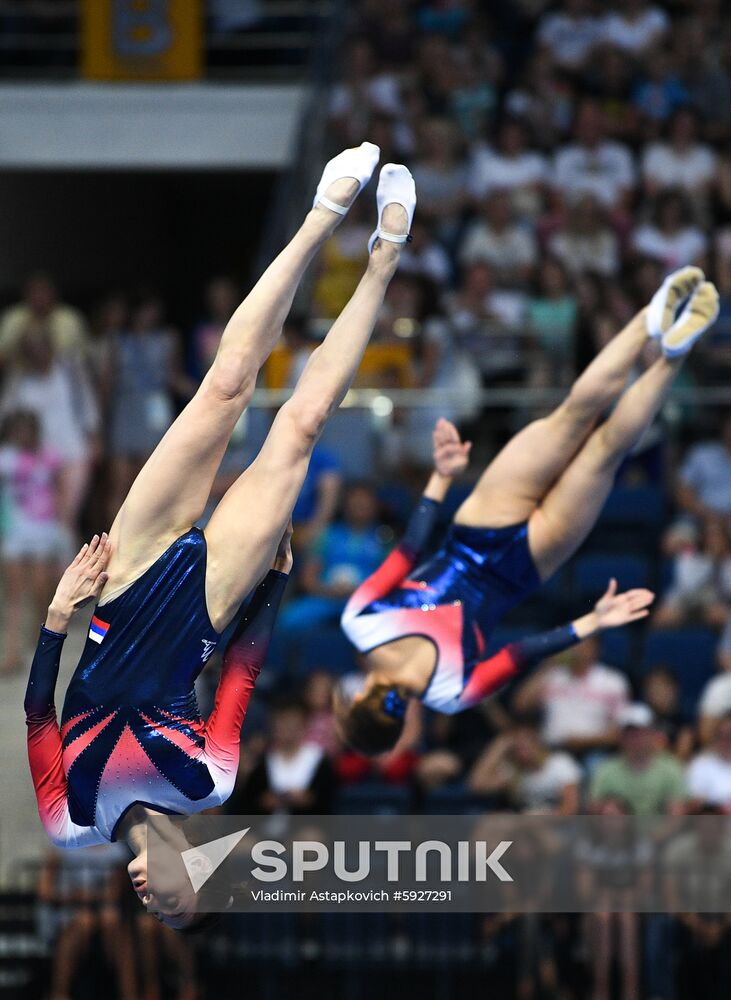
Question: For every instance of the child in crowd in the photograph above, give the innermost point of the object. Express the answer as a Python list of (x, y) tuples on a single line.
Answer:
[(31, 536)]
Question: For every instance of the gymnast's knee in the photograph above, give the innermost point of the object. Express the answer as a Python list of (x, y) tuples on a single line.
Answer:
[(230, 380), (306, 420)]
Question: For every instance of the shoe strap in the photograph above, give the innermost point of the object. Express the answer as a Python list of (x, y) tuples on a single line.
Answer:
[(393, 237), (339, 209)]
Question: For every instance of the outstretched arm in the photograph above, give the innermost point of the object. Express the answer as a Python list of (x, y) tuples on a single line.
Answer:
[(82, 581), (451, 456), (243, 660), (612, 611)]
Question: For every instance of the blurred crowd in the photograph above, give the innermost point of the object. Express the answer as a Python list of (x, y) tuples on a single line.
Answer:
[(567, 155)]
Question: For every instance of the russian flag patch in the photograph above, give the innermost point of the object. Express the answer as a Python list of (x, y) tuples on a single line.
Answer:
[(98, 629)]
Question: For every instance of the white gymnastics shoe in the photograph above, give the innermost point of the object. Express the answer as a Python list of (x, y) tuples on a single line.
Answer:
[(700, 313), (676, 288), (395, 186), (359, 162)]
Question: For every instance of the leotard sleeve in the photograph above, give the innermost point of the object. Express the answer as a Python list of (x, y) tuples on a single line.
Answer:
[(401, 561), (242, 663), (512, 660), (45, 748)]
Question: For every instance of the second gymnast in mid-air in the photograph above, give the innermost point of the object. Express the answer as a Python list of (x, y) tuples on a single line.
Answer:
[(423, 626), (132, 742)]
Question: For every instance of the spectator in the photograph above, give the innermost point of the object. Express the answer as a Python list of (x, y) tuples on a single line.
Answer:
[(31, 534), (593, 164), (40, 310), (343, 556), (698, 882), (709, 772), (635, 28), (581, 701), (671, 238), (532, 777), (319, 497), (148, 370), (222, 298), (500, 241), (552, 316), (79, 910), (294, 775), (661, 694), (701, 587), (659, 93), (570, 33), (59, 394), (425, 257), (724, 649), (704, 487), (543, 101), (453, 743), (317, 697), (681, 161), (511, 167), (365, 90), (585, 242), (649, 780), (715, 699), (441, 176)]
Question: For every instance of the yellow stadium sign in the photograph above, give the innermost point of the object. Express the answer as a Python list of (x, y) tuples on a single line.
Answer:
[(142, 39)]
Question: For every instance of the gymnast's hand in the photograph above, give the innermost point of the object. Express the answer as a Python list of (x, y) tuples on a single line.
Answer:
[(82, 582), (451, 455), (283, 560), (614, 609)]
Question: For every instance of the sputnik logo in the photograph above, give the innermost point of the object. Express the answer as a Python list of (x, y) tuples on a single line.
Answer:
[(201, 862)]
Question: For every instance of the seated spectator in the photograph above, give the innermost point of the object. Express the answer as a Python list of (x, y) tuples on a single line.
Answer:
[(425, 257), (542, 100), (635, 27), (319, 497), (661, 693), (397, 766), (365, 89), (697, 866), (341, 263), (31, 541), (671, 238), (609, 80), (41, 310), (533, 778), (701, 587), (710, 89), (680, 161), (80, 896), (454, 742), (594, 164), (704, 486), (581, 700), (585, 242), (441, 175), (570, 33), (496, 238), (222, 297), (293, 776), (510, 166), (342, 557), (487, 322), (317, 697), (659, 92), (148, 372), (552, 315), (649, 780), (709, 772), (59, 393)]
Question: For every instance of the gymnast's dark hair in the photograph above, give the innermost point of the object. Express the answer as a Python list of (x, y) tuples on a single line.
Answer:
[(374, 724)]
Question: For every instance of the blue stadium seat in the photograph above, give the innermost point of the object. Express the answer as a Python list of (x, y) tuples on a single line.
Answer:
[(642, 506), (397, 501), (373, 799), (594, 571), (615, 648), (690, 652), (325, 648), (455, 800)]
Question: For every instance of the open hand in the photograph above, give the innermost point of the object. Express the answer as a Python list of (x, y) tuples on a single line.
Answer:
[(451, 454), (82, 582), (613, 609)]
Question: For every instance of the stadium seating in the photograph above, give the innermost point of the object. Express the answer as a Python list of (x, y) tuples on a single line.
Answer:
[(690, 652)]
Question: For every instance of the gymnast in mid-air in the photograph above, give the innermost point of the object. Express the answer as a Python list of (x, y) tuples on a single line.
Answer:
[(132, 742), (423, 624)]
